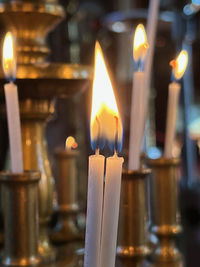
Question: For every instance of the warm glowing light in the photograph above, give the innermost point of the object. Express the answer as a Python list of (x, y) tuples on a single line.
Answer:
[(70, 143), (9, 60), (105, 119), (140, 44), (180, 64)]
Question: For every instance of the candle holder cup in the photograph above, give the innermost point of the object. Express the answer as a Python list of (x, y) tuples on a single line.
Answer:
[(20, 197), (133, 246), (67, 196), (165, 213)]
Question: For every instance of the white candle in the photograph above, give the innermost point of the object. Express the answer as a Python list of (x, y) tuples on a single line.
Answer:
[(105, 126), (179, 66), (94, 210), (111, 210), (151, 34), (12, 106), (137, 116), (14, 128), (136, 120), (173, 99)]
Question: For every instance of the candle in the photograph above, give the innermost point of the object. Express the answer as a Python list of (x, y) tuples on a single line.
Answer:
[(111, 210), (12, 106), (151, 33), (95, 176), (106, 127), (179, 66), (137, 117)]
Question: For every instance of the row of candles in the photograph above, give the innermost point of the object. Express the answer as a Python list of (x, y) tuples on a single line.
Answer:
[(106, 128)]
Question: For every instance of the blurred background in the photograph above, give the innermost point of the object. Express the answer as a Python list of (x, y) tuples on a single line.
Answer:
[(113, 24)]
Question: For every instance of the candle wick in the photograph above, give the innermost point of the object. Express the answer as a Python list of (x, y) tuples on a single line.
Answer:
[(97, 152), (116, 135), (98, 135), (140, 65)]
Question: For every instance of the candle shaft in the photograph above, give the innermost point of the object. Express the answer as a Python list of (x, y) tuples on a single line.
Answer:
[(94, 210), (14, 127), (136, 120), (172, 108), (151, 36), (111, 211)]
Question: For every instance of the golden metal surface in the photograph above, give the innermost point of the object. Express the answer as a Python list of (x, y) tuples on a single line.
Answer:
[(30, 21), (33, 116), (49, 80), (57, 71), (165, 211), (20, 195), (132, 236), (67, 196)]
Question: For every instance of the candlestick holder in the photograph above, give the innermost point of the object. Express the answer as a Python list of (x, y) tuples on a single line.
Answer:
[(20, 197), (133, 246), (67, 196), (38, 84), (165, 211)]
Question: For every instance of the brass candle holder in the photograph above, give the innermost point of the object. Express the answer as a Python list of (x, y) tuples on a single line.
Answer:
[(133, 246), (20, 196), (165, 211), (67, 196)]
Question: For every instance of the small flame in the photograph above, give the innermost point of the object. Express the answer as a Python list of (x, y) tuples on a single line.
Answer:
[(70, 143), (140, 44), (105, 121), (180, 64), (9, 59)]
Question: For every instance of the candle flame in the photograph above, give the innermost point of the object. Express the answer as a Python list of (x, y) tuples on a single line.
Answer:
[(105, 124), (9, 59), (140, 44), (180, 64), (70, 143)]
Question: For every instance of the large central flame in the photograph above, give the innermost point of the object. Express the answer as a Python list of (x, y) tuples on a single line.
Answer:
[(140, 44), (180, 64), (9, 59), (105, 124)]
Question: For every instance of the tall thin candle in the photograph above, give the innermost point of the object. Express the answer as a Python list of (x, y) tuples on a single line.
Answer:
[(138, 99), (179, 65), (106, 127), (12, 105)]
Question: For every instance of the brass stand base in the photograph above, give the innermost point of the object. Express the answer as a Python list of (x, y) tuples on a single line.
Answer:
[(46, 251), (20, 192), (132, 246), (67, 197), (165, 211), (65, 231)]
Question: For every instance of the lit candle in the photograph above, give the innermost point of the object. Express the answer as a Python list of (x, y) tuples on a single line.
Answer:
[(111, 210), (12, 105), (137, 118), (179, 66), (95, 175), (112, 127), (103, 211)]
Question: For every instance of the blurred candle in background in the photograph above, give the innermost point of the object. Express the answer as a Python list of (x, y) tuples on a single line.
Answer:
[(178, 68), (12, 105), (137, 117)]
